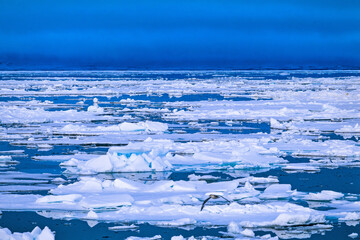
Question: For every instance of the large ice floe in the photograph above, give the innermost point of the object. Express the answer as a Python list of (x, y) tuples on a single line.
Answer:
[(162, 202), (150, 147), (164, 155), (147, 126), (36, 234)]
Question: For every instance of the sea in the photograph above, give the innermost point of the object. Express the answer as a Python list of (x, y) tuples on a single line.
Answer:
[(134, 154)]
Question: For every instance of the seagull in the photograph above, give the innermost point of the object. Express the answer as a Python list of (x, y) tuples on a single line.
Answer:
[(212, 196)]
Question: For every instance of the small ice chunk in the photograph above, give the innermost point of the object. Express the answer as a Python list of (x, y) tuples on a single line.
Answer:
[(95, 107), (180, 237), (58, 180), (352, 216), (277, 191), (325, 195), (70, 163), (46, 234), (276, 124), (353, 235), (91, 215), (300, 168), (259, 180), (123, 227), (44, 146), (5, 158), (248, 233), (194, 177), (156, 237), (177, 223), (349, 129), (36, 231), (233, 227), (266, 236)]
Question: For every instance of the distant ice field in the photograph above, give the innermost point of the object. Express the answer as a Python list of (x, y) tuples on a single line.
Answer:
[(130, 153)]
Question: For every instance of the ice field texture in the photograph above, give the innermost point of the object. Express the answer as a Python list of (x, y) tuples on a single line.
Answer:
[(276, 153)]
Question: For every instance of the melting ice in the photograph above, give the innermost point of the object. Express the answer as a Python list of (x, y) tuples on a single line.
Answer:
[(132, 148)]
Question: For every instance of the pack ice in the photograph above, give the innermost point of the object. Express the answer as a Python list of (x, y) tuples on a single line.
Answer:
[(150, 147)]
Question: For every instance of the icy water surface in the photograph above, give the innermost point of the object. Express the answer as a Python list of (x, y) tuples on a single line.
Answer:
[(117, 154)]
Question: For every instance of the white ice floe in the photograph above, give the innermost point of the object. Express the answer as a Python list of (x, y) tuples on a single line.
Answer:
[(353, 235), (118, 160), (248, 233), (277, 191), (351, 216), (260, 180), (300, 167), (145, 206), (7, 161), (193, 177), (131, 227), (247, 193), (156, 237), (62, 158), (65, 199), (163, 201), (349, 129), (233, 227), (36, 234), (86, 201), (309, 148), (24, 115), (299, 126), (175, 223), (147, 126), (123, 185), (91, 215), (92, 193), (284, 110), (286, 219), (162, 155), (325, 195), (220, 214)]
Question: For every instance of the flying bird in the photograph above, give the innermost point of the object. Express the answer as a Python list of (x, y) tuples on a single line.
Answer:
[(212, 196)]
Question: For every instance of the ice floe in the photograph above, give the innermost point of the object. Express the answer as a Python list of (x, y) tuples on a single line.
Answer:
[(353, 235), (36, 234), (324, 195), (147, 126), (277, 191), (161, 155)]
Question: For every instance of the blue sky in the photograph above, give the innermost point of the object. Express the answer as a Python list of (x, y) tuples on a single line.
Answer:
[(186, 34)]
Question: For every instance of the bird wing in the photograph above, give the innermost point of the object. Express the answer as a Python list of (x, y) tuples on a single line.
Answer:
[(225, 199), (203, 205)]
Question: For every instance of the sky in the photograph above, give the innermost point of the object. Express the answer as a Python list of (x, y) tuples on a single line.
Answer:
[(182, 34)]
